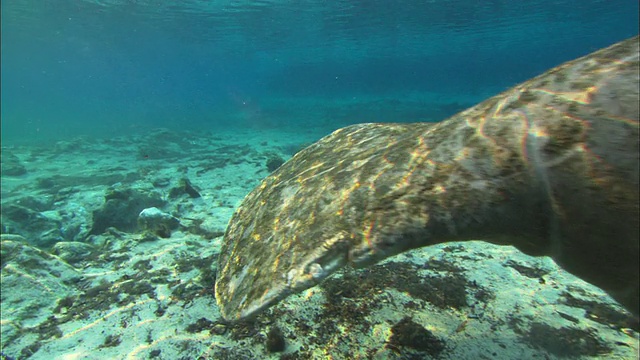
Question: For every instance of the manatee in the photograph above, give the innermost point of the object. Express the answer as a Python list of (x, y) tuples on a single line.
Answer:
[(549, 166)]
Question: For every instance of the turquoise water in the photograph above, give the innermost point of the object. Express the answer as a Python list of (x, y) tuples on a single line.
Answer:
[(108, 67)]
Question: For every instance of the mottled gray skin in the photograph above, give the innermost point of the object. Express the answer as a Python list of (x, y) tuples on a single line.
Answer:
[(549, 166)]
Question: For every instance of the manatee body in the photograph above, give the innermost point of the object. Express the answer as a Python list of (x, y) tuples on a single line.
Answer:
[(549, 166)]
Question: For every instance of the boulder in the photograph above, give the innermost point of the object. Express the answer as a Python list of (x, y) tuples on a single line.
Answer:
[(122, 207), (157, 222), (72, 252)]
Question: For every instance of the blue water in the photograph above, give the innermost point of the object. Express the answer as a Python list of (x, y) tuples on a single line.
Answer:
[(112, 67)]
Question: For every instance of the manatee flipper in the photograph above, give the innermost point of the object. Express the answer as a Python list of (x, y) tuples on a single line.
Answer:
[(549, 166)]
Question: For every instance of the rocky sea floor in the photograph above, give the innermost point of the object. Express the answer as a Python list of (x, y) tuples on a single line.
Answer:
[(109, 250)]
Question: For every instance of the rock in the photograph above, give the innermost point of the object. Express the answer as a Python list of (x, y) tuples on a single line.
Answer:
[(273, 162), (41, 229), (162, 182), (184, 186), (76, 221), (65, 147), (13, 169), (162, 144), (34, 218), (11, 164), (13, 237), (190, 189), (72, 252), (34, 282), (275, 340), (37, 203), (122, 207), (157, 222)]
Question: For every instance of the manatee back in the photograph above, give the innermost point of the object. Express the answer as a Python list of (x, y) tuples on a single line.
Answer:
[(585, 144)]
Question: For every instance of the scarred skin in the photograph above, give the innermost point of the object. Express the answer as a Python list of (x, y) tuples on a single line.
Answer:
[(549, 166)]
